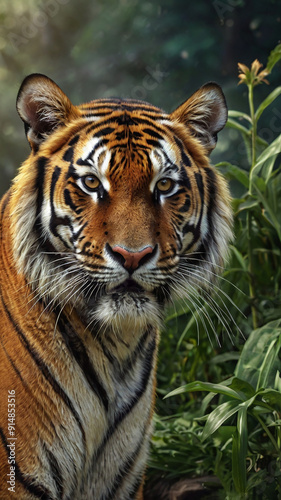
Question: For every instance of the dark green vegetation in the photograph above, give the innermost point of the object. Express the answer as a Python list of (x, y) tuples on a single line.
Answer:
[(161, 52)]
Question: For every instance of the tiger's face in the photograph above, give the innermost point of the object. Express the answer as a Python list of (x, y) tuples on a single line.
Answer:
[(123, 209)]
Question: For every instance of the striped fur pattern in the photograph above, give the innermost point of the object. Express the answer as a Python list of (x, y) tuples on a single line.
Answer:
[(115, 213)]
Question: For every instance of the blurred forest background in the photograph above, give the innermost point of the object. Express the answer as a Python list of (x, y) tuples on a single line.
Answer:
[(162, 51), (159, 51)]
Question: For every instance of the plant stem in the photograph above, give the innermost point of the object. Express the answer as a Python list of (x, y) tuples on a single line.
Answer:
[(254, 124), (249, 215), (251, 269), (267, 431)]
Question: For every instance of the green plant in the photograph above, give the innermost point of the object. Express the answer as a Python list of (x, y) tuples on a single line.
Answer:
[(254, 391), (261, 202)]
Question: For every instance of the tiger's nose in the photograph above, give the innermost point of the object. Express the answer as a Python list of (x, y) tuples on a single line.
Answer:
[(132, 260)]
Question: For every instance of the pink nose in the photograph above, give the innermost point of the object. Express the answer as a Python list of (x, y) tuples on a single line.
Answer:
[(132, 259)]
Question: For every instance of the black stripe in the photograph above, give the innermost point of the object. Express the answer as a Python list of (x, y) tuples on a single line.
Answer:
[(185, 160), (212, 191), (68, 201), (100, 143), (184, 178), (146, 155), (41, 165), (153, 133), (52, 223), (18, 373), (186, 206), (68, 155), (106, 351), (78, 351), (152, 142), (45, 370), (121, 371), (144, 379), (115, 119), (86, 249), (55, 472), (114, 104), (191, 228), (76, 236), (188, 228), (97, 113), (119, 136), (74, 140), (12, 362), (155, 114), (104, 131), (71, 173), (200, 185), (124, 472), (29, 483), (56, 221), (112, 167), (139, 350)]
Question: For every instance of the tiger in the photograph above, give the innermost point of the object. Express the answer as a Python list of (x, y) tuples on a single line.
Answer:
[(116, 213)]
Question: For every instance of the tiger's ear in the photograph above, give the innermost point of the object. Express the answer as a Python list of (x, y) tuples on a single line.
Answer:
[(43, 107), (204, 114)]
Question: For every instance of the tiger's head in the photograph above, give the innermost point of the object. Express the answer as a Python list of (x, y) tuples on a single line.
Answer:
[(117, 209)]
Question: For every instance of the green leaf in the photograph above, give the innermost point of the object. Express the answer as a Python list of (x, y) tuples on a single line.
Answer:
[(239, 257), (237, 126), (255, 349), (277, 382), (268, 100), (273, 218), (223, 436), (218, 416), (204, 386), (243, 388), (234, 172), (268, 168), (269, 359), (272, 150), (248, 204), (238, 114), (239, 451), (272, 398), (274, 57), (226, 356)]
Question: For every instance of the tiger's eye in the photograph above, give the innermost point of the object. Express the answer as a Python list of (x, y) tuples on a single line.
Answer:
[(91, 182), (165, 185)]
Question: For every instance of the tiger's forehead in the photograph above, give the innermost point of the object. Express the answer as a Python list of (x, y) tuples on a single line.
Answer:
[(137, 164), (127, 147)]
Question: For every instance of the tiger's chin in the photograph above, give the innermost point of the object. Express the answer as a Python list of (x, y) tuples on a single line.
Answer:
[(128, 310)]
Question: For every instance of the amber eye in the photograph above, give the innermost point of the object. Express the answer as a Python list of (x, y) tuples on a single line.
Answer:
[(91, 182), (165, 185)]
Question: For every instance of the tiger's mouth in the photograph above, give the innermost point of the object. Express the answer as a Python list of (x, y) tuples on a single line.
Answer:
[(128, 286), (126, 307)]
